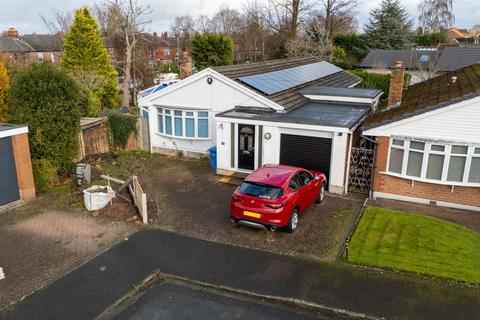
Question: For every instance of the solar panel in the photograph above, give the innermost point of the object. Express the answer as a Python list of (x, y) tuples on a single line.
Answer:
[(280, 80)]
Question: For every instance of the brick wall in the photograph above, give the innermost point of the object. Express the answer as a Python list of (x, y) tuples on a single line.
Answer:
[(396, 84), (431, 191), (23, 165)]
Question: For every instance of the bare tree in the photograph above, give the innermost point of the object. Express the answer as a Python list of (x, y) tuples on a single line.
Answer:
[(314, 42), (227, 21), (59, 22), (130, 19), (203, 23), (435, 15), (337, 16), (183, 27), (287, 15)]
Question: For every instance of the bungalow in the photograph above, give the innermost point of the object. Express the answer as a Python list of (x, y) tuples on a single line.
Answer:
[(428, 143), (299, 111)]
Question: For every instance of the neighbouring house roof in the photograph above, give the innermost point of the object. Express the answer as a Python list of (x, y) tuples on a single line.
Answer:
[(31, 43), (313, 113), (458, 57), (289, 98), (44, 42), (413, 58), (431, 94), (10, 44)]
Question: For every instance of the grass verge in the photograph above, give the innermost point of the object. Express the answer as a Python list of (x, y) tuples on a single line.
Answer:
[(404, 241)]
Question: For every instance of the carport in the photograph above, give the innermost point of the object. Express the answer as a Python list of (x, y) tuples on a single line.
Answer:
[(16, 177)]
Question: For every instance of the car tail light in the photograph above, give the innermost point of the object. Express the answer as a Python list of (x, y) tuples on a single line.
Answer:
[(236, 199), (275, 205)]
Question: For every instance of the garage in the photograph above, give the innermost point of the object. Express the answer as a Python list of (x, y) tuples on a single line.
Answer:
[(16, 176), (9, 191), (312, 153)]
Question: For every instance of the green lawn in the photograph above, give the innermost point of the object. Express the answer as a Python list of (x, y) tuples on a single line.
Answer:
[(404, 241)]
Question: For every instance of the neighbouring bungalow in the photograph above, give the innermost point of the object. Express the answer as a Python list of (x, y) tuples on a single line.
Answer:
[(300, 111), (428, 142), (422, 63)]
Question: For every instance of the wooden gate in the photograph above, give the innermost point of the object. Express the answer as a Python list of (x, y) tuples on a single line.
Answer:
[(362, 162)]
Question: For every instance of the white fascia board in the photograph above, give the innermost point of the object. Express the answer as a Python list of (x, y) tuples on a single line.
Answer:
[(13, 132), (148, 100), (383, 130), (282, 124), (339, 98)]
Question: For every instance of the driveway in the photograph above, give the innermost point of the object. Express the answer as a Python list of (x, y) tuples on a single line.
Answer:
[(191, 201), (38, 248)]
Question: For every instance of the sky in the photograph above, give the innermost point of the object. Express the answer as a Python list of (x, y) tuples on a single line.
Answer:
[(24, 15)]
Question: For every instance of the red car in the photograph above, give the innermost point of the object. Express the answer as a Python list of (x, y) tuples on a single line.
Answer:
[(274, 196)]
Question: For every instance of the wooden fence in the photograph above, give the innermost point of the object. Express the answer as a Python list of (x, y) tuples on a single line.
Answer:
[(140, 199)]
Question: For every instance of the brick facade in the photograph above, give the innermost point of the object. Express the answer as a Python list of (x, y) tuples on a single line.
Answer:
[(469, 196), (23, 165)]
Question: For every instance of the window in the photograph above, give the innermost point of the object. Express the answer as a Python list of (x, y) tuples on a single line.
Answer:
[(260, 190), (189, 124), (305, 177), (39, 57), (178, 123), (168, 122), (295, 183), (160, 120), (183, 124), (458, 164), (203, 124)]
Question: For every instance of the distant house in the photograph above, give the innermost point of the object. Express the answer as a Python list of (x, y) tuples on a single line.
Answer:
[(29, 48), (421, 62), (428, 143), (301, 111), (458, 35)]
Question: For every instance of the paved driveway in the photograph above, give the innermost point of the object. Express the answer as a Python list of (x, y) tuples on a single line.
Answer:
[(191, 201), (39, 249)]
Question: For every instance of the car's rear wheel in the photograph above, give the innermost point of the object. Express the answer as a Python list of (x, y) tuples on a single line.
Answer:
[(321, 193), (293, 222)]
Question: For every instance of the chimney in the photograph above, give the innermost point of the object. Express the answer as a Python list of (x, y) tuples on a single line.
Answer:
[(11, 32), (396, 84), (186, 65), (165, 36)]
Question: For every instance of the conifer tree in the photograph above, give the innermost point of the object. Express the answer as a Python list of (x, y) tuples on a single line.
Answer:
[(389, 26), (4, 86), (86, 59)]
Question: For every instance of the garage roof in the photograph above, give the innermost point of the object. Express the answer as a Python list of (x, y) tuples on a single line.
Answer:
[(342, 92), (313, 113), (8, 129)]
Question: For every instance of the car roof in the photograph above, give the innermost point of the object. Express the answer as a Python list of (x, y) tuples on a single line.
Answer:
[(274, 175)]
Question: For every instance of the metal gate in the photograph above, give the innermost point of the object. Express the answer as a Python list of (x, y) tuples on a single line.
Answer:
[(362, 162)]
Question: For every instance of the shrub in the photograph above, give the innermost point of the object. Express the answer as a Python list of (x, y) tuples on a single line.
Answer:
[(430, 39), (44, 174), (48, 101), (121, 127)]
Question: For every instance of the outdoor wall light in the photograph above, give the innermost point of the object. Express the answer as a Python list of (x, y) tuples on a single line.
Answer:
[(267, 135), (209, 80)]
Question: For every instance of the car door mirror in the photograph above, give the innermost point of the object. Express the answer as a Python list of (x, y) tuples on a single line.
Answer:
[(317, 178)]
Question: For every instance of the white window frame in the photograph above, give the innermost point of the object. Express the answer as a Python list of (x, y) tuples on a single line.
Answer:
[(426, 152), (184, 123)]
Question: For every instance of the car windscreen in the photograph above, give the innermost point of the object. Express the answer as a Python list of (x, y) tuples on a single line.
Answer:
[(260, 190)]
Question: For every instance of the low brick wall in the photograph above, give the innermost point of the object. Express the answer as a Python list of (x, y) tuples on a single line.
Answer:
[(469, 196), (23, 165)]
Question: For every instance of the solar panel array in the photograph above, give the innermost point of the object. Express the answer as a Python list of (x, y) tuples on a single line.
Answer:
[(280, 80)]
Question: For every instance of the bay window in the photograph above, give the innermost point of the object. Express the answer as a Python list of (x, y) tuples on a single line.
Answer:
[(183, 124), (433, 162)]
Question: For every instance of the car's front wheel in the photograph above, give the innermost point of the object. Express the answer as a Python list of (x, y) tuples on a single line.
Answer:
[(321, 193), (293, 222)]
